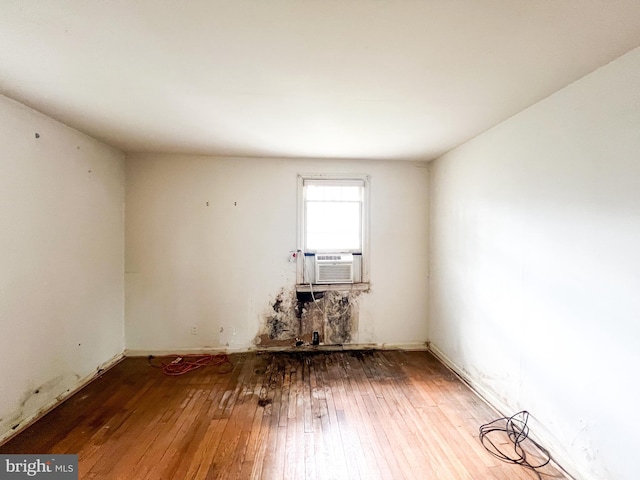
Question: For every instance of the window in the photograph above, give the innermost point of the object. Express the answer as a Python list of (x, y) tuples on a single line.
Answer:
[(332, 219), (333, 216)]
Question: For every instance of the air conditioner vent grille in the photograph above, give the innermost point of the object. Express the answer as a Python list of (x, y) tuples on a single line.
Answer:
[(328, 257), (334, 268)]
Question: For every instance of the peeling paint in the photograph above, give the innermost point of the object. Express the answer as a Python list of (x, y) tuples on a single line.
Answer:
[(277, 328), (341, 317), (293, 317), (44, 388), (281, 326), (277, 305), (25, 405)]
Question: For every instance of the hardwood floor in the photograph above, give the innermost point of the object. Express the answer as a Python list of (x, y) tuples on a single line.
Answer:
[(300, 415)]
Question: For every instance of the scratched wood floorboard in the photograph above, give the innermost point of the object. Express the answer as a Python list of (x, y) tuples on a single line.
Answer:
[(276, 415)]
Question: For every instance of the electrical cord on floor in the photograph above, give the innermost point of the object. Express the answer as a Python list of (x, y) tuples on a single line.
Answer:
[(515, 427), (175, 365)]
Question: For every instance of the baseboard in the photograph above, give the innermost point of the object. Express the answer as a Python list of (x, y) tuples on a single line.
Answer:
[(83, 382), (560, 461), (485, 394), (412, 347)]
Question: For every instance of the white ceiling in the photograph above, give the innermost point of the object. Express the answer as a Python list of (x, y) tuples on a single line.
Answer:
[(402, 79)]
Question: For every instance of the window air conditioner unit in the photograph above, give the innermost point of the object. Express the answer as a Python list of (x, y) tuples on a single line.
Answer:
[(334, 268)]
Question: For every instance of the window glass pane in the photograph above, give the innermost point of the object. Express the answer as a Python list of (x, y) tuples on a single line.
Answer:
[(333, 225), (330, 193)]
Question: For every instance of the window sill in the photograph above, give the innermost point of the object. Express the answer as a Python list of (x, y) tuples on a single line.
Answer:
[(333, 287)]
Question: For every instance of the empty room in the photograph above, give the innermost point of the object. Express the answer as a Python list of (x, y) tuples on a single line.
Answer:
[(304, 239)]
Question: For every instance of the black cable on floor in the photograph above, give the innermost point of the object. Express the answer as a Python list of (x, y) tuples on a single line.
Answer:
[(516, 429)]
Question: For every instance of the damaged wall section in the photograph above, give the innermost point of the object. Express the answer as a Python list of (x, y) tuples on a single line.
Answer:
[(280, 325), (294, 317)]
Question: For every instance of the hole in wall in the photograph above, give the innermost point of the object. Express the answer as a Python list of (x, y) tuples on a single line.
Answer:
[(294, 319)]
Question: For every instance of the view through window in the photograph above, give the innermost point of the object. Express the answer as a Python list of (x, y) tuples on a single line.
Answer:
[(333, 216)]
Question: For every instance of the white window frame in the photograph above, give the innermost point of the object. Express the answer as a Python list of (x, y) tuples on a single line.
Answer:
[(335, 179)]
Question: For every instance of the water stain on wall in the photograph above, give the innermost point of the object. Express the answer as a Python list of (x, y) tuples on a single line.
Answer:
[(341, 317), (280, 327), (24, 410), (293, 317)]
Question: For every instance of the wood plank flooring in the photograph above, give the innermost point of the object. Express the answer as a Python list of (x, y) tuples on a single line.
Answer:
[(299, 415)]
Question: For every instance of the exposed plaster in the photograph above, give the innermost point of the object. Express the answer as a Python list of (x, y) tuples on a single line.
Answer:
[(293, 317)]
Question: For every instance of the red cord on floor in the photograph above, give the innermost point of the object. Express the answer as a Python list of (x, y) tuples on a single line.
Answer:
[(181, 364)]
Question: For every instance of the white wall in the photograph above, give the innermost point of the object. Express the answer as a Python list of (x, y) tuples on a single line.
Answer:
[(535, 267), (61, 261), (219, 267)]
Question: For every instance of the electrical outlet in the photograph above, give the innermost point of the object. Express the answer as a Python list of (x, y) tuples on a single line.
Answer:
[(194, 330)]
